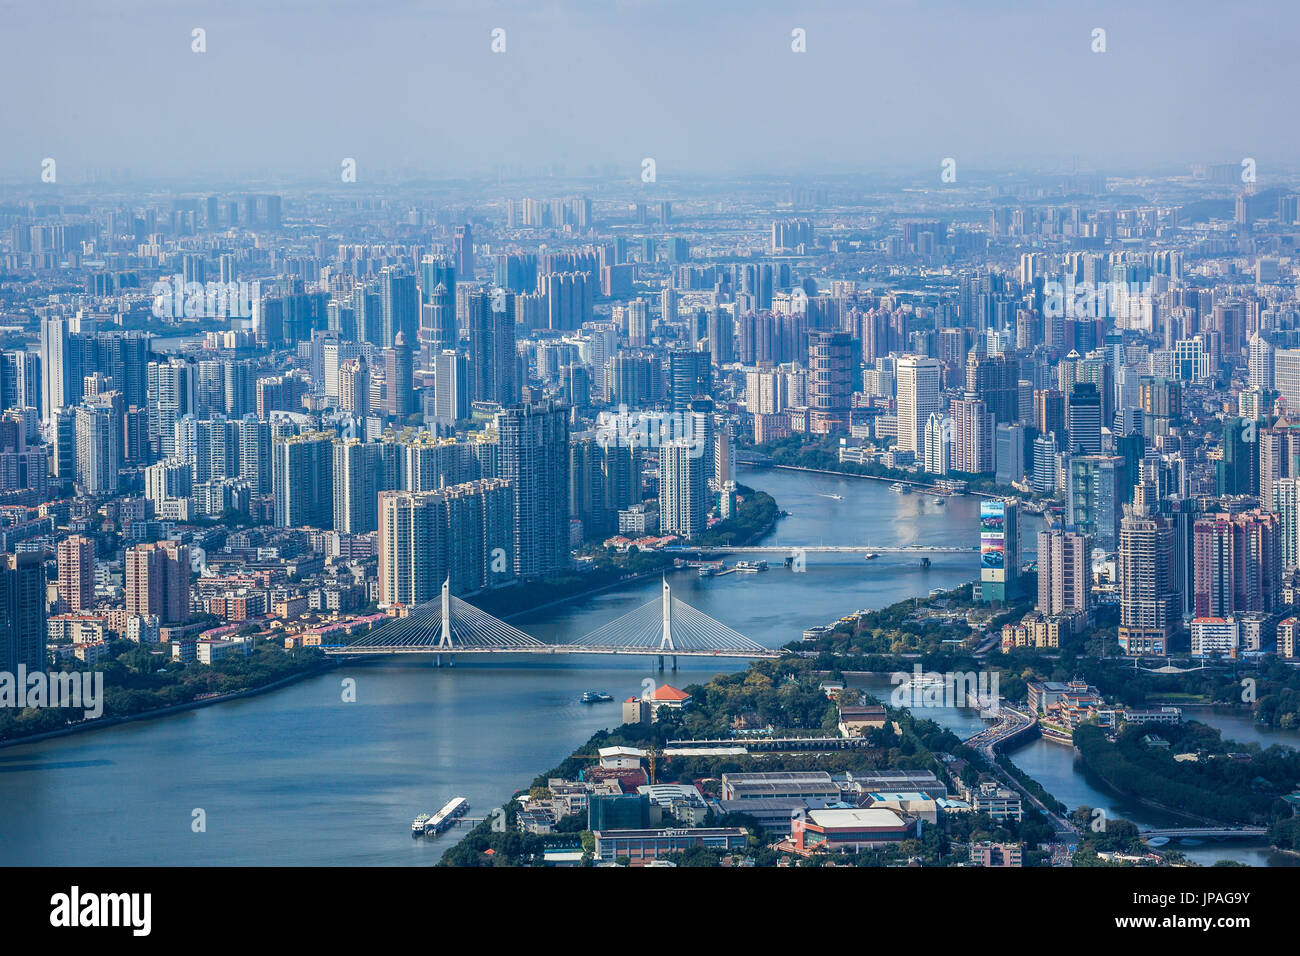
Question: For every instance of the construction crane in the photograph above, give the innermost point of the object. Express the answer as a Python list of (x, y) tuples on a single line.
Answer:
[(652, 754)]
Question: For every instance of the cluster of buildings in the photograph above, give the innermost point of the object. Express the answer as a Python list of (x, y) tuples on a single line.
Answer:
[(801, 812), (396, 397)]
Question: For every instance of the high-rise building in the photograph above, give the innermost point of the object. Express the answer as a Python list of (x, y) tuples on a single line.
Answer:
[(1286, 376), (398, 376), (683, 489), (399, 304), (451, 388), (1085, 419), (1064, 571), (22, 612), (972, 436), (1286, 505), (534, 447), (492, 356), (76, 585), (830, 381), (99, 447), (1096, 497), (463, 249), (995, 379), (158, 581), (358, 479), (1009, 453), (1238, 566), (999, 550), (302, 478), (918, 398), (690, 376), (462, 533), (1149, 615), (938, 450)]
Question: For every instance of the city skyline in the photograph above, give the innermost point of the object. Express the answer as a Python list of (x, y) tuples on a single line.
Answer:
[(402, 86)]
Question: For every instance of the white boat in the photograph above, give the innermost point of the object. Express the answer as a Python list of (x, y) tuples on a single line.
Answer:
[(418, 824), (836, 497)]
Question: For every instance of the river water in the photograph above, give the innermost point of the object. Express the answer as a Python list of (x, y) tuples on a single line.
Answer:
[(298, 776)]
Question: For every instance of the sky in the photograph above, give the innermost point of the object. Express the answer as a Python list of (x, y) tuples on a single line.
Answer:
[(287, 89)]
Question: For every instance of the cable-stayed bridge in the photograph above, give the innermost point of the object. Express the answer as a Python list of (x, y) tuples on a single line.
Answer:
[(447, 626)]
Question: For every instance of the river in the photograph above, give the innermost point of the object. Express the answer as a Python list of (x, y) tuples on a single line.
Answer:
[(298, 776)]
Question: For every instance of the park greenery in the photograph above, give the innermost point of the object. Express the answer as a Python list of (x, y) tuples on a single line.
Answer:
[(1195, 774), (139, 678)]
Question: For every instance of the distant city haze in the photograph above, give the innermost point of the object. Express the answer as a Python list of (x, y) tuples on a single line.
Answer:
[(286, 90)]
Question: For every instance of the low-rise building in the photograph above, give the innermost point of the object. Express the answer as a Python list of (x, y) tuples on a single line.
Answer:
[(640, 846), (996, 854), (855, 829)]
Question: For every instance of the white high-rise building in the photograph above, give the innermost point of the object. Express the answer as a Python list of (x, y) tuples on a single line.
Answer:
[(918, 398), (1286, 502), (938, 451), (1286, 376), (683, 486), (1260, 363)]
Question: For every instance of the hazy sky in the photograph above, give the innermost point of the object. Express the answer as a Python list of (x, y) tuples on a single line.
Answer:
[(287, 89)]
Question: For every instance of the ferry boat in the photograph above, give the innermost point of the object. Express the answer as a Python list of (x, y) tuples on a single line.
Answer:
[(418, 824), (708, 571), (901, 488), (594, 697), (751, 567)]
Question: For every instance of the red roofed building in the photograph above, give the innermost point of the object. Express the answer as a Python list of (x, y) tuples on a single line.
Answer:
[(668, 696)]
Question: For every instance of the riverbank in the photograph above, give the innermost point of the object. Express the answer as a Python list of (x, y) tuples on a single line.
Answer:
[(103, 723)]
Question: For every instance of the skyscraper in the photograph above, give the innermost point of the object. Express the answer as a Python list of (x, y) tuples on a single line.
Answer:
[(358, 479), (99, 448), (918, 397), (972, 436), (1148, 608), (830, 381), (463, 246), (158, 581), (534, 443), (76, 585), (302, 477), (492, 355), (1238, 565), (683, 489), (398, 375), (22, 612), (1085, 419), (1064, 571)]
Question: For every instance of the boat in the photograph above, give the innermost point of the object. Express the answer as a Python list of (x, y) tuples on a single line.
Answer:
[(871, 556), (595, 697), (418, 824), (708, 572), (751, 567), (939, 501), (447, 816), (836, 497), (901, 488)]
